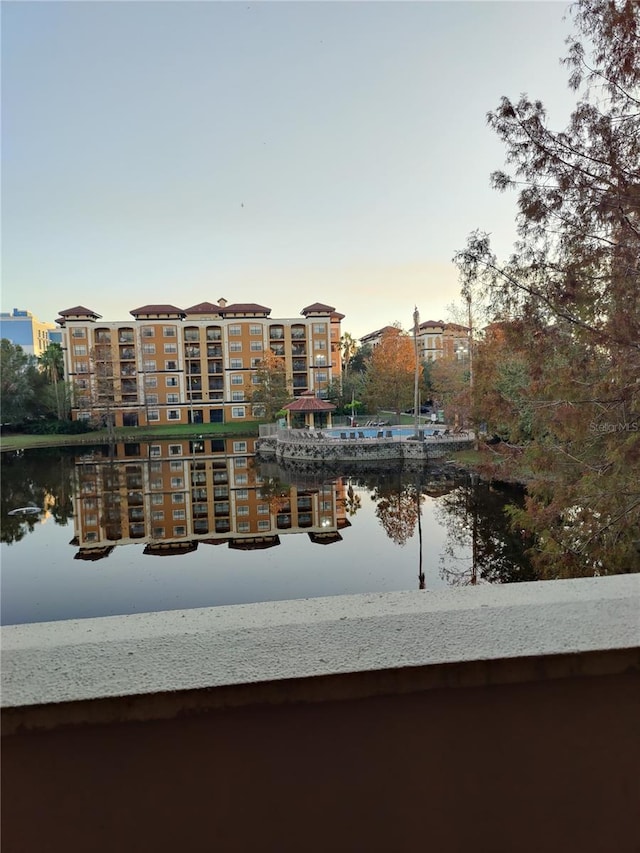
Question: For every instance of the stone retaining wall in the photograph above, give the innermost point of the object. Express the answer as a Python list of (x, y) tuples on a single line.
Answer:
[(306, 450)]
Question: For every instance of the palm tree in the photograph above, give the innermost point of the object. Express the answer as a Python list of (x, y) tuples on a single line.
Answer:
[(52, 363), (348, 348)]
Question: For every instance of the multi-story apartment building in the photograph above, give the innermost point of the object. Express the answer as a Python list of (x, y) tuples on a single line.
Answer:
[(443, 340), (200, 364), (173, 494), (22, 328)]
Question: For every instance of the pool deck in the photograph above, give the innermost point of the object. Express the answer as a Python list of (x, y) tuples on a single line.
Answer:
[(364, 444)]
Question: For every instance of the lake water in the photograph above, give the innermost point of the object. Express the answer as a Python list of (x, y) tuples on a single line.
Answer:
[(179, 524)]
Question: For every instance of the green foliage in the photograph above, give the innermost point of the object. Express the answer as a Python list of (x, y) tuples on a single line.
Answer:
[(273, 390), (17, 379), (568, 381)]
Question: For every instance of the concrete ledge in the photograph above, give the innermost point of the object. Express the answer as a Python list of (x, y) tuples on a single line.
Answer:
[(162, 665)]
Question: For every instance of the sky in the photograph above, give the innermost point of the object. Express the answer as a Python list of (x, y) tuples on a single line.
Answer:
[(283, 153)]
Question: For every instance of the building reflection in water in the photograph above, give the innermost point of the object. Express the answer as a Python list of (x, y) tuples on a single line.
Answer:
[(174, 495)]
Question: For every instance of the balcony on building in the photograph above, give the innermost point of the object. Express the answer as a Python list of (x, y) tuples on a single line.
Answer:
[(191, 334), (277, 349), (136, 531), (214, 333), (127, 354), (299, 365), (135, 499), (276, 333), (126, 336), (298, 349), (200, 510), (298, 333), (214, 367)]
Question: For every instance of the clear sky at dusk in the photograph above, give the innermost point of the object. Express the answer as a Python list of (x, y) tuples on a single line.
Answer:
[(274, 152)]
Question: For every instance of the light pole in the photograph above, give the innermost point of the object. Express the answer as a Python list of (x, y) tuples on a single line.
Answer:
[(416, 404)]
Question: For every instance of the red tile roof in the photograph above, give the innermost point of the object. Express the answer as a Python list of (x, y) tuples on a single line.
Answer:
[(79, 311), (309, 404), (204, 308), (244, 308), (157, 309), (318, 308)]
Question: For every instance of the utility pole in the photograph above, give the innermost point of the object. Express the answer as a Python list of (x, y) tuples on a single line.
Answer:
[(416, 403)]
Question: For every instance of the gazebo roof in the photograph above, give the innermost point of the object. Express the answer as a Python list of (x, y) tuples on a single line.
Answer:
[(309, 404)]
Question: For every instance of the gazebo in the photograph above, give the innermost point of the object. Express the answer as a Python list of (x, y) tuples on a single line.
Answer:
[(310, 411)]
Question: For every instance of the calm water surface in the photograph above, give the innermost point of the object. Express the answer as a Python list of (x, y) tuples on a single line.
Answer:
[(179, 524)]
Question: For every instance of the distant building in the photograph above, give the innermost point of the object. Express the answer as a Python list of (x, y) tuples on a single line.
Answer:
[(374, 338), (437, 339), (25, 330), (193, 365)]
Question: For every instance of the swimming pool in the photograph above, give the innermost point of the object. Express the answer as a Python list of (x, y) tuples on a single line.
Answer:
[(394, 432)]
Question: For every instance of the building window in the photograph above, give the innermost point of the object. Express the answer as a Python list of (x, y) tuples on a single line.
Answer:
[(152, 399), (171, 381), (82, 367), (179, 530), (153, 415), (239, 446), (80, 349), (148, 331), (237, 411), (177, 498), (171, 365), (241, 479), (242, 494), (155, 450), (263, 509), (81, 384), (237, 396), (256, 346), (175, 465), (173, 414), (244, 527), (157, 484), (234, 331), (179, 514), (151, 381), (78, 333), (157, 499), (157, 533), (169, 331), (149, 349), (173, 398), (157, 514), (235, 346), (149, 366), (241, 462), (236, 379), (155, 467), (177, 482), (321, 376), (169, 348), (236, 364), (319, 328), (321, 360), (242, 510), (175, 450), (264, 525), (258, 411), (320, 344)]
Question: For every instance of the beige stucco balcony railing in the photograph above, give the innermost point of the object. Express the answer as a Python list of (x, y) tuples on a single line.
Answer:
[(491, 718)]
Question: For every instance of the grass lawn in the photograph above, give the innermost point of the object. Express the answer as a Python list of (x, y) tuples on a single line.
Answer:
[(21, 441)]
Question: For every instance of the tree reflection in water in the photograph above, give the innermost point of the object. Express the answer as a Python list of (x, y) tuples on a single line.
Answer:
[(42, 480), (475, 517)]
